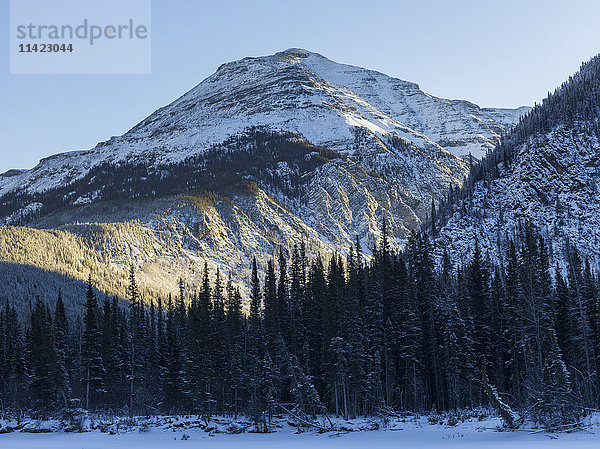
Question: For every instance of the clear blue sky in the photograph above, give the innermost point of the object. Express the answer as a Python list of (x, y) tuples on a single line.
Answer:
[(495, 53)]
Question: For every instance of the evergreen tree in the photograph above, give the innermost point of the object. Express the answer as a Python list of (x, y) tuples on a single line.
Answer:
[(312, 323), (60, 336), (44, 388), (478, 291), (236, 376), (91, 360), (556, 401), (218, 344), (271, 312), (256, 347), (172, 375)]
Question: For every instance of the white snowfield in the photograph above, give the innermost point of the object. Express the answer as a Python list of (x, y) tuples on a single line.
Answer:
[(413, 435)]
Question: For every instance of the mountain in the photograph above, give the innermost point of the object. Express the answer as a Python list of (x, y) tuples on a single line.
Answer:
[(297, 91), (263, 154), (546, 172)]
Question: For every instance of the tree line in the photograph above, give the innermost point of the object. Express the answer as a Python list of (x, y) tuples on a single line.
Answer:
[(256, 154), (405, 331)]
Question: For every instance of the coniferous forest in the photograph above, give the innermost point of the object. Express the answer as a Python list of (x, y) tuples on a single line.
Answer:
[(409, 331)]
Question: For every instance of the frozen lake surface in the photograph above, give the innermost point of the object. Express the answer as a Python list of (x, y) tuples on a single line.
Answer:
[(472, 434)]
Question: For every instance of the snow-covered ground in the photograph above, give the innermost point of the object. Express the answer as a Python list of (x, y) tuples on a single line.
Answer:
[(429, 438), (412, 433)]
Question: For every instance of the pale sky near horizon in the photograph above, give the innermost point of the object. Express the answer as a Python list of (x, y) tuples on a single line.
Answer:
[(494, 53)]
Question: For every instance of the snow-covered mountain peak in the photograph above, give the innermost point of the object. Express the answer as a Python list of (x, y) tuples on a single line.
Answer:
[(295, 90)]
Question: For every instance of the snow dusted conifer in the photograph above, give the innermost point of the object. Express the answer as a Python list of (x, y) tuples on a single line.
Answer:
[(557, 401), (60, 334), (91, 360), (508, 416)]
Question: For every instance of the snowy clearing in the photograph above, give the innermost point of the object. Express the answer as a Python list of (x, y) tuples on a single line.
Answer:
[(410, 434)]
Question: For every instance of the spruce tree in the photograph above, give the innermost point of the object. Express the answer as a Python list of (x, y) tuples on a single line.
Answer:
[(236, 375), (60, 336), (91, 360), (557, 401), (256, 348), (478, 291), (44, 388)]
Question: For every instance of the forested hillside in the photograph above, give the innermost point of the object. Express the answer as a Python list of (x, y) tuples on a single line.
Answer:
[(336, 335), (546, 169)]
